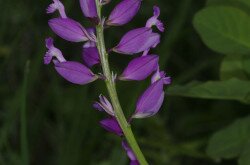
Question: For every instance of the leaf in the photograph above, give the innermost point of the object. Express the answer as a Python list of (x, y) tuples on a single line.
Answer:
[(232, 67), (224, 29), (233, 89), (246, 64), (242, 4), (244, 157), (230, 142)]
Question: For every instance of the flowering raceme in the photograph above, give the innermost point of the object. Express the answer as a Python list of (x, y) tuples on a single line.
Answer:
[(140, 40)]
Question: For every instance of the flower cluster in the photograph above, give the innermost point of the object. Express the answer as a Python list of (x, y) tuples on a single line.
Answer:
[(140, 40)]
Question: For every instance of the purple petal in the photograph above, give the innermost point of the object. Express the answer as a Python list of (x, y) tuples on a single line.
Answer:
[(49, 42), (111, 125), (89, 8), (69, 29), (90, 56), (124, 12), (137, 40), (140, 68), (52, 52), (135, 162), (104, 105), (75, 72), (150, 101), (57, 5), (130, 153), (160, 75), (98, 107), (155, 21)]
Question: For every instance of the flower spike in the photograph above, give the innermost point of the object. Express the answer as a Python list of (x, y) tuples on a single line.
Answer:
[(124, 12), (57, 5), (155, 21)]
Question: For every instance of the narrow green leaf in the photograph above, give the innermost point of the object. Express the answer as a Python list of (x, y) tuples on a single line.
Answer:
[(224, 29), (233, 89), (230, 142)]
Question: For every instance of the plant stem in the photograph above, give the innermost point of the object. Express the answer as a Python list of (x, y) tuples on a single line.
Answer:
[(110, 84)]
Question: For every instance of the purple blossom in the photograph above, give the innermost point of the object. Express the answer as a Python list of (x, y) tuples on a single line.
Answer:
[(75, 72), (130, 153), (160, 75), (111, 125), (89, 9), (70, 30), (124, 12), (151, 100), (52, 52), (90, 54), (154, 20), (104, 105), (140, 68), (57, 5), (137, 40)]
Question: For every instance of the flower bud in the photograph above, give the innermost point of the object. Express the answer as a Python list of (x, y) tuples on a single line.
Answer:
[(130, 153), (111, 125), (104, 105)]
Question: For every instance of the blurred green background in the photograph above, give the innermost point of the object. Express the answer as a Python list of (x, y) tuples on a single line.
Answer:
[(204, 119)]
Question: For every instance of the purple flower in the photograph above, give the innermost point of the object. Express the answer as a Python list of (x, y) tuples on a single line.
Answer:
[(75, 72), (52, 52), (104, 105), (111, 125), (160, 75), (140, 68), (89, 9), (151, 100), (154, 20), (70, 30), (57, 5), (130, 153), (90, 54), (124, 12), (137, 40)]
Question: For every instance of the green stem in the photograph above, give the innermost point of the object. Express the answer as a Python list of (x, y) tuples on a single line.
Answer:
[(110, 84)]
